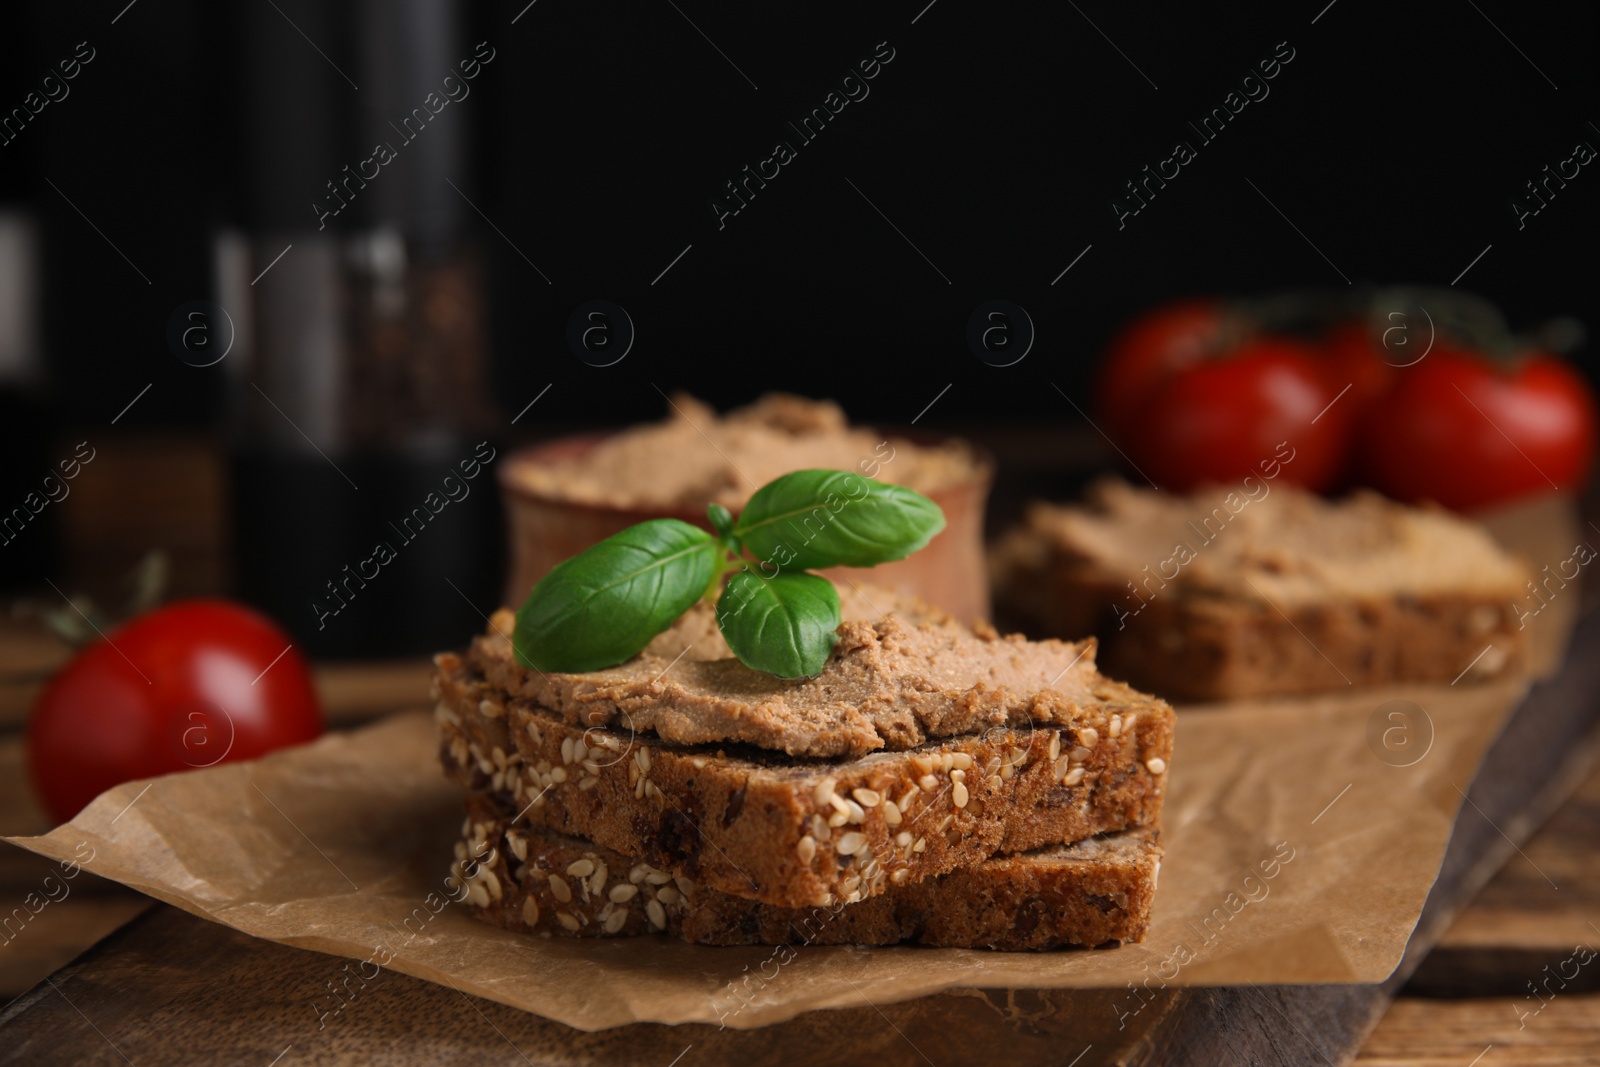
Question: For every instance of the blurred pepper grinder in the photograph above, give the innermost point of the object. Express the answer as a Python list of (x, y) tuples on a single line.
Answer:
[(365, 515), (30, 485)]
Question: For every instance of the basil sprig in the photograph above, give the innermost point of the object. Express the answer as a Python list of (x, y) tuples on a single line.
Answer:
[(604, 605)]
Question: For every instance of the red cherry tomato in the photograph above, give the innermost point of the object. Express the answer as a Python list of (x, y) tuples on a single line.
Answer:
[(188, 685), (1247, 413), (1150, 349), (1361, 367), (1356, 356), (1463, 432)]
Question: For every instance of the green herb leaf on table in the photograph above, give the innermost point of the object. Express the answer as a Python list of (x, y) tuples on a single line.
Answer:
[(604, 605), (782, 625), (823, 518)]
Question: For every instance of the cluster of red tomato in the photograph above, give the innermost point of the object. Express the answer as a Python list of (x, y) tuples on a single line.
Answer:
[(1202, 391)]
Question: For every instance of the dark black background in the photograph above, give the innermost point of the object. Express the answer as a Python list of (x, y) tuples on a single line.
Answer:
[(995, 140)]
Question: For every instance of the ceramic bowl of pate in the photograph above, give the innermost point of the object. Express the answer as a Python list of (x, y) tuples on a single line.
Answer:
[(564, 495)]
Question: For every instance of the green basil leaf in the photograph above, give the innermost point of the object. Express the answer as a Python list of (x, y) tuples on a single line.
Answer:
[(605, 604), (783, 625), (821, 518)]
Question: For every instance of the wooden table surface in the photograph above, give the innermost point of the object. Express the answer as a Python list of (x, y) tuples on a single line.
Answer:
[(1470, 1002), (1470, 997)]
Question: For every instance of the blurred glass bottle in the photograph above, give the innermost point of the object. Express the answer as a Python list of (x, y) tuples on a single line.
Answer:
[(365, 515)]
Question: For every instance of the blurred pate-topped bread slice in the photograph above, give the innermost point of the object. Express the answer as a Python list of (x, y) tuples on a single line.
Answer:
[(901, 673), (1290, 546), (1227, 594)]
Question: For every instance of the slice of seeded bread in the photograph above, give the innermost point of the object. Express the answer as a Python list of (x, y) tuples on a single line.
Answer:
[(1094, 893), (1264, 590), (796, 833)]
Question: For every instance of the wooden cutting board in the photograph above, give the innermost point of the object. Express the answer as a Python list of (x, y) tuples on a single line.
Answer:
[(174, 989)]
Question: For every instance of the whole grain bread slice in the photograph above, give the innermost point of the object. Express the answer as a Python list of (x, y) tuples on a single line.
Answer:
[(794, 833), (1222, 595), (1094, 893)]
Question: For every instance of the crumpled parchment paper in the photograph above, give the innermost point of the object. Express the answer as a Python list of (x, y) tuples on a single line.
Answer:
[(1301, 844)]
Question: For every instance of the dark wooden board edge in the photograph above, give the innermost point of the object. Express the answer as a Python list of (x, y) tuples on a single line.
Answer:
[(1541, 755), (177, 989)]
